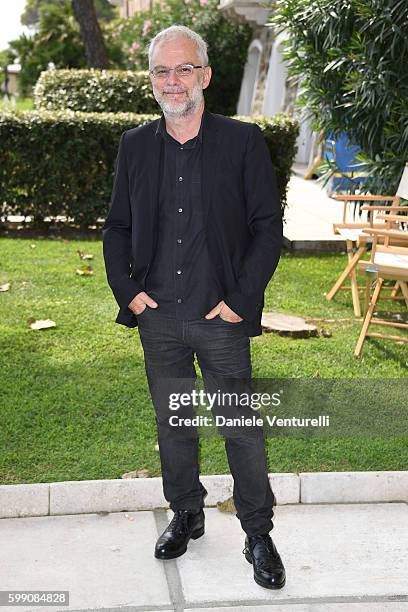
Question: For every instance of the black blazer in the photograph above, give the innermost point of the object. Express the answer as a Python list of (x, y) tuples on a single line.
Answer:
[(241, 205)]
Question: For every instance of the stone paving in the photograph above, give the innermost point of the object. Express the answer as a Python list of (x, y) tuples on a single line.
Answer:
[(338, 558), (310, 214)]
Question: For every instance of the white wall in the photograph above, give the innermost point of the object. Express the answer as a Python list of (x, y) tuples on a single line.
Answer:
[(275, 83), (250, 79)]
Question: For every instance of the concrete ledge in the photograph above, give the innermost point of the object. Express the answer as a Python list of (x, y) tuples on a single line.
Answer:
[(285, 487), (121, 495), (349, 487), (219, 488), (116, 495), (314, 245), (24, 500)]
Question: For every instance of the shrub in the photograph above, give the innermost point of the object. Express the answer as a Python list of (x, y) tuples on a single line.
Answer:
[(95, 91), (62, 163)]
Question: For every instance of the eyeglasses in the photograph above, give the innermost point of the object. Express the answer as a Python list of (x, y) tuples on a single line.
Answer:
[(182, 70)]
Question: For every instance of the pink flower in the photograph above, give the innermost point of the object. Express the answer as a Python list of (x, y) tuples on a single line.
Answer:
[(203, 2), (135, 46), (194, 19), (146, 26)]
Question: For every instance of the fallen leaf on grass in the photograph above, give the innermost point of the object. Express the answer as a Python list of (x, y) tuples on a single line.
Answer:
[(85, 271), (83, 255), (5, 287), (33, 246), (325, 333), (41, 324)]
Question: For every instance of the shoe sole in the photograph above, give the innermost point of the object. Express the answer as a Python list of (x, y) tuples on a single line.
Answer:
[(194, 536), (265, 585)]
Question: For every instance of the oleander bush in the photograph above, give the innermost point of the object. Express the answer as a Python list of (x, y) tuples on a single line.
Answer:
[(349, 58)]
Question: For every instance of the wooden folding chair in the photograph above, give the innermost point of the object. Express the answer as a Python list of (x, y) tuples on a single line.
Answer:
[(357, 241), (387, 261)]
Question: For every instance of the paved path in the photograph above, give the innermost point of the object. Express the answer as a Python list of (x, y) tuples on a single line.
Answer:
[(339, 558), (310, 215)]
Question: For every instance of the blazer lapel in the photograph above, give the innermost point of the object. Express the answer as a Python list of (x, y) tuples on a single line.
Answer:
[(153, 157)]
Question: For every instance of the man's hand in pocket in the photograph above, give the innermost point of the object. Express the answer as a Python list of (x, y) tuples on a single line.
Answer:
[(225, 313), (140, 302)]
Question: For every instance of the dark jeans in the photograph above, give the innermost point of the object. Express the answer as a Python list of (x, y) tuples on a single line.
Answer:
[(223, 354)]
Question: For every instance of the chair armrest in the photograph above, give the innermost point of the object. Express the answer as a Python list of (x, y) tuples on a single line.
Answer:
[(379, 207), (365, 197), (401, 235), (384, 217)]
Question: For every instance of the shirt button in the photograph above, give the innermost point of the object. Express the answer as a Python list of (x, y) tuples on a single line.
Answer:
[(179, 240), (180, 178), (179, 301), (180, 210), (178, 271), (181, 148)]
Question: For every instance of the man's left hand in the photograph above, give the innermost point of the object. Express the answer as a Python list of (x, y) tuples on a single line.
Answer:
[(225, 313)]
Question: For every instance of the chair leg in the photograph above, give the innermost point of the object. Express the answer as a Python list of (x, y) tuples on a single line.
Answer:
[(367, 294), (354, 293), (395, 290), (353, 261), (368, 317), (404, 289)]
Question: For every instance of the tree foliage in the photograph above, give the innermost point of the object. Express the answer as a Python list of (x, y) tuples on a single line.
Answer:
[(350, 58), (56, 39), (30, 17)]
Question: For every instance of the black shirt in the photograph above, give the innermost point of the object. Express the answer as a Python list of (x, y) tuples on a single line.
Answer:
[(181, 278)]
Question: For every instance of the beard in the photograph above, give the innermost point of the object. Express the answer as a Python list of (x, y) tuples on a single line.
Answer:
[(175, 108)]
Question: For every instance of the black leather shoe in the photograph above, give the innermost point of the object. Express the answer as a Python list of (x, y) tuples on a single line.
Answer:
[(268, 567), (174, 539)]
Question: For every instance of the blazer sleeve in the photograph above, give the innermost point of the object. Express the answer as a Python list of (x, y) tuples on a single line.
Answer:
[(117, 234), (264, 220)]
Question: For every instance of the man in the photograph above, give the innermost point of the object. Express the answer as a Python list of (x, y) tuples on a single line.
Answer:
[(191, 240)]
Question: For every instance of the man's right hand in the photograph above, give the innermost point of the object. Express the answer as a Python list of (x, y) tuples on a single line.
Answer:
[(140, 302)]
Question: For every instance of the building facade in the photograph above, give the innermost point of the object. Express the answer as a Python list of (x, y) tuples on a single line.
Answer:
[(266, 88), (127, 8)]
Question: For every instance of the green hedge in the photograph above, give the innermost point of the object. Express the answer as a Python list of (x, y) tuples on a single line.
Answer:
[(62, 163), (95, 91)]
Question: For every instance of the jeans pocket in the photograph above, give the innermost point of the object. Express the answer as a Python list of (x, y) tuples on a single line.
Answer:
[(229, 322), (143, 312)]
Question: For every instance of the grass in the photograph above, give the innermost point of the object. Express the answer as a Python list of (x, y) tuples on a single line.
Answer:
[(22, 104), (74, 399)]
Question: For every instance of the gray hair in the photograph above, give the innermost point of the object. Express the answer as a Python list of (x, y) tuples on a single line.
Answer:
[(177, 31)]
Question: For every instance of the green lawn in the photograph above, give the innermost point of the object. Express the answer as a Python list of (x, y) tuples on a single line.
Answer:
[(24, 104), (74, 399)]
